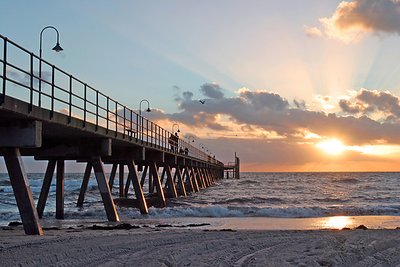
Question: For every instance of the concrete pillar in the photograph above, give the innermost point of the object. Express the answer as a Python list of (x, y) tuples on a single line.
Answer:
[(22, 192), (144, 173), (44, 192), (112, 176), (156, 178), (182, 189), (60, 189), (134, 177), (121, 180), (151, 182), (85, 182), (170, 182), (186, 175), (108, 202)]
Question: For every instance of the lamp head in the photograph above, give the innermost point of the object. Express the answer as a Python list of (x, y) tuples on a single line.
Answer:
[(148, 110), (58, 48), (178, 131)]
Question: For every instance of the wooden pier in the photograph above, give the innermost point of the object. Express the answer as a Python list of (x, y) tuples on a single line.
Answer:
[(56, 117)]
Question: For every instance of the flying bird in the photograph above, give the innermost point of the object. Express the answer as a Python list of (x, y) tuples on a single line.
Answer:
[(202, 101)]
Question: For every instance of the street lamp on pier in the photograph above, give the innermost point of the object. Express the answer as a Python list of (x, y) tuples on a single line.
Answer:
[(190, 136), (56, 48), (140, 106), (173, 125)]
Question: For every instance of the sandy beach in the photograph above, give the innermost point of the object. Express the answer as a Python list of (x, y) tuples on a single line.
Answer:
[(166, 246)]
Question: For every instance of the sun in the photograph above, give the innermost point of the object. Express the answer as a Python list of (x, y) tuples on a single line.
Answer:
[(331, 146)]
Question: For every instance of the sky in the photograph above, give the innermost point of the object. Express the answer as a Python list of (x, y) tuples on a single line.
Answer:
[(289, 85)]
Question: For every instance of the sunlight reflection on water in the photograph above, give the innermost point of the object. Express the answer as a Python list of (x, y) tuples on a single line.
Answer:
[(336, 222)]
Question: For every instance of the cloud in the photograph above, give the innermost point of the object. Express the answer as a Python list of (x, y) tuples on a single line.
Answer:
[(366, 102), (312, 31), (268, 112), (25, 79), (212, 90), (263, 99), (353, 19)]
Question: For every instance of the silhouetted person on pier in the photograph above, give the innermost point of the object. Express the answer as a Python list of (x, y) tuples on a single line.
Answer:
[(173, 141)]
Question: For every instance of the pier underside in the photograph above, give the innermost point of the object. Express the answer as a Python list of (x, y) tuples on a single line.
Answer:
[(58, 138)]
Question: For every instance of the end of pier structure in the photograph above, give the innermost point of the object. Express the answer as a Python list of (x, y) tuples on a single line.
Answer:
[(232, 169)]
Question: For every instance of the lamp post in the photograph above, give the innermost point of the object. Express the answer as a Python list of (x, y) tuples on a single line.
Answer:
[(201, 146), (140, 114), (190, 136), (140, 106), (173, 125), (56, 48)]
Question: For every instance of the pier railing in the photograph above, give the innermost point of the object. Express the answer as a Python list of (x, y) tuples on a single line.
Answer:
[(58, 91)]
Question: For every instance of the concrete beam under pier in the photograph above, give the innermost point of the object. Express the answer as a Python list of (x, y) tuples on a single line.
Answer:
[(21, 134)]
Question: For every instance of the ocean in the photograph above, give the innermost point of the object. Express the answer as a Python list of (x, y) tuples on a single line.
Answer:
[(261, 195)]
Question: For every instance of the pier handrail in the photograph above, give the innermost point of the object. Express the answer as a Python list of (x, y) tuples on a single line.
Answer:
[(62, 92)]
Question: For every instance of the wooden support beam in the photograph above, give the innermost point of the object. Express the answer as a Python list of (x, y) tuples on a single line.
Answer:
[(44, 192), (170, 182), (134, 177), (84, 185), (60, 189), (156, 178), (108, 202), (22, 192), (178, 175), (112, 176), (121, 180)]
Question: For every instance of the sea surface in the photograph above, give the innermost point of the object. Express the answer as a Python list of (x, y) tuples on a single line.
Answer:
[(261, 195)]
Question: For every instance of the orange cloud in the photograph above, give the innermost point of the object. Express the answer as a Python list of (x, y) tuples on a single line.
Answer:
[(352, 20)]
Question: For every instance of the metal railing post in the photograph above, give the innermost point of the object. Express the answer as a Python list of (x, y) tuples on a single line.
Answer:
[(70, 99), (31, 84), (52, 91), (131, 124), (147, 130), (116, 118), (97, 109), (137, 125), (123, 134), (84, 104), (108, 108), (3, 95)]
